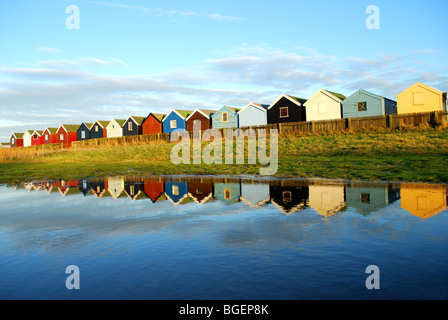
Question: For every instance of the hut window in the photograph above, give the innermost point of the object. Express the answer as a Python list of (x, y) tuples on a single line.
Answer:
[(83, 134), (418, 98), (113, 126), (173, 124), (96, 129), (13, 140), (35, 137), (197, 122), (175, 190), (362, 106), (227, 194), (61, 136), (130, 126), (365, 197), (284, 112), (287, 196), (225, 117), (46, 137), (132, 190)]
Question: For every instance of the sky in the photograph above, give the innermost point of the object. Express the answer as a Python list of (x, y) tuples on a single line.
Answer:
[(132, 57)]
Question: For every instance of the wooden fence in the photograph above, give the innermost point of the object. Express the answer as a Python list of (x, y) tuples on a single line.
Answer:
[(120, 141)]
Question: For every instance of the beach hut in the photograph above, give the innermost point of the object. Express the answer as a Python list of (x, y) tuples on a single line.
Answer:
[(16, 140), (50, 136), (84, 131), (368, 198), (423, 200), (255, 194), (115, 128), (324, 105), (200, 192), (133, 126), (98, 129), (253, 114), (200, 117), (153, 188), (153, 123), (363, 103), (84, 186), (115, 186), (228, 193), (289, 199), (226, 117), (327, 200), (37, 138), (287, 108), (27, 138), (420, 98), (66, 134), (133, 187), (99, 187), (176, 192), (175, 120)]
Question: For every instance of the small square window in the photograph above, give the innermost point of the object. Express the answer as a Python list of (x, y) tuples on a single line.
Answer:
[(173, 124), (287, 196), (322, 108), (113, 126), (225, 117), (362, 106), (175, 190), (365, 197), (418, 98), (35, 137), (284, 112)]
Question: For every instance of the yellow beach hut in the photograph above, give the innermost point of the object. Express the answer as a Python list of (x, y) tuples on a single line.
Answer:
[(423, 200), (420, 98)]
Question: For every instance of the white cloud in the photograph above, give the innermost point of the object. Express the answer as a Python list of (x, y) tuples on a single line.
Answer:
[(48, 49), (162, 12)]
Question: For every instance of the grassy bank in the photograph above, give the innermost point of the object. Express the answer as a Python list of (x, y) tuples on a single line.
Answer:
[(418, 155)]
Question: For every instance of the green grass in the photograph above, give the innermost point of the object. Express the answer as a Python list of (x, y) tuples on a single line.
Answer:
[(411, 155)]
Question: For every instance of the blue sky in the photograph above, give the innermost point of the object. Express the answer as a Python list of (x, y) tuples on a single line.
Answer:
[(132, 57)]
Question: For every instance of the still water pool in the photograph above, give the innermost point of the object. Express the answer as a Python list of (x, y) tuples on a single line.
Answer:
[(201, 238)]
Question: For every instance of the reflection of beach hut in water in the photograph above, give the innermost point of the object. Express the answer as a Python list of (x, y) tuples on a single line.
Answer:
[(255, 195), (99, 187), (176, 192), (289, 199), (423, 200), (68, 187), (327, 200), (229, 193), (153, 189), (368, 198), (84, 186), (133, 187), (115, 186), (200, 192)]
